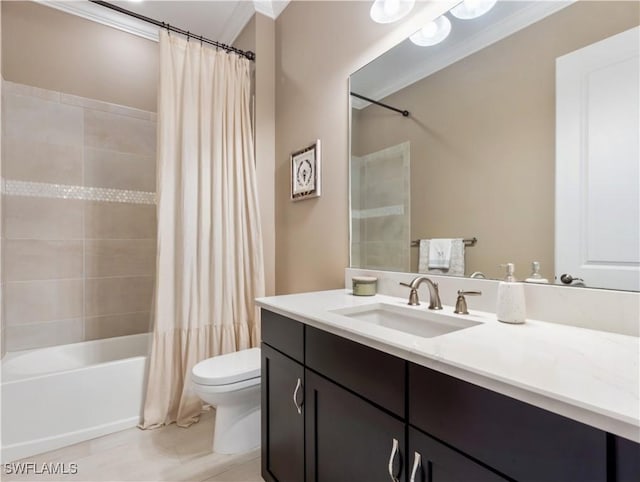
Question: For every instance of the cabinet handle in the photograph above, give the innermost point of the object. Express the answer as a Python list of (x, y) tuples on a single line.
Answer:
[(417, 461), (394, 451), (295, 397)]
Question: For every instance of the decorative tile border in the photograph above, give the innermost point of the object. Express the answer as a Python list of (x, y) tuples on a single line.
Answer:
[(377, 212), (11, 187)]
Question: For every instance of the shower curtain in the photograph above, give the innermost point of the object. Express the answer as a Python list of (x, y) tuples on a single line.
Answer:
[(209, 262)]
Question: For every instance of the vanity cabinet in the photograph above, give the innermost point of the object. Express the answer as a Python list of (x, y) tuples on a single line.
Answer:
[(316, 425), (335, 410)]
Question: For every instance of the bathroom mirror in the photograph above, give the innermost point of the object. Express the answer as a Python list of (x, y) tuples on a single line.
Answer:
[(476, 157)]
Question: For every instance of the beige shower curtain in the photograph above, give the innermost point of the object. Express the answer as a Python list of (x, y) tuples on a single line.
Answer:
[(209, 264)]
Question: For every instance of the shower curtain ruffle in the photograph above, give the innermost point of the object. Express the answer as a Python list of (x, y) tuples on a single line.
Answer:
[(174, 354)]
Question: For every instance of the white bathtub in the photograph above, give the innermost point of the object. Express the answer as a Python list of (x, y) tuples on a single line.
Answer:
[(57, 396)]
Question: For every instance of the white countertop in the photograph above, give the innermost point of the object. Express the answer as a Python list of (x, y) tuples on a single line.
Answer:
[(586, 375)]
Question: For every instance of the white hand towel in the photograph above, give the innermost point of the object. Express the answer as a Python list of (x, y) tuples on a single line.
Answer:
[(456, 265), (440, 253)]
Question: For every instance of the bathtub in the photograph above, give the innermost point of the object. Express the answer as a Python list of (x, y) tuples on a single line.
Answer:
[(57, 396)]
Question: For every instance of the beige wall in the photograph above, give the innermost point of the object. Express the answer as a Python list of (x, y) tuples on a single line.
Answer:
[(482, 135), (318, 45), (46, 48)]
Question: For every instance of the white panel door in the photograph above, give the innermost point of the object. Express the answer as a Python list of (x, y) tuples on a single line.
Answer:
[(598, 163)]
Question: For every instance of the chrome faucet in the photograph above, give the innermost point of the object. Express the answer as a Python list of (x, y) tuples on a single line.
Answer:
[(434, 294)]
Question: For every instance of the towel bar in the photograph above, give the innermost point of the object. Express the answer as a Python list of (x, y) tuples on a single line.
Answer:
[(467, 242)]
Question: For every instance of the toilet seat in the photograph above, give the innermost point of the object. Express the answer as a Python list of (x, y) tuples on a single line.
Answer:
[(229, 387), (235, 370)]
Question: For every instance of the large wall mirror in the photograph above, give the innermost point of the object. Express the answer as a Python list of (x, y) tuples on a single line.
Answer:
[(523, 133)]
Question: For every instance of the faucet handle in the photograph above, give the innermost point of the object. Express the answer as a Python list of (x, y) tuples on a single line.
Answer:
[(461, 302), (469, 293), (413, 294)]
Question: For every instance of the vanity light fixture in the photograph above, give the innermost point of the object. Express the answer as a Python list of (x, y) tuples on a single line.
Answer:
[(433, 33), (388, 11), (469, 9)]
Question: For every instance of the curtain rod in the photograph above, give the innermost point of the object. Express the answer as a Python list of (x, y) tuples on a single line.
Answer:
[(248, 54), (405, 113)]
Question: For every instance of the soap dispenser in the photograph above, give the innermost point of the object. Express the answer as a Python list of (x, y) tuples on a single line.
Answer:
[(535, 276), (511, 306)]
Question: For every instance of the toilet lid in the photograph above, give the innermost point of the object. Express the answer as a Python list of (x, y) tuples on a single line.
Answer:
[(229, 368)]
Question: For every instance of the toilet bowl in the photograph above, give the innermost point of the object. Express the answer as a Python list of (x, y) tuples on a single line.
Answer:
[(231, 383)]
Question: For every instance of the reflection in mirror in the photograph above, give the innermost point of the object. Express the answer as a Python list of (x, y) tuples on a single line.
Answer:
[(487, 118)]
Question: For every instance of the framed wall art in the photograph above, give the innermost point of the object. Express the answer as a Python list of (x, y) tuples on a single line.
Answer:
[(305, 173)]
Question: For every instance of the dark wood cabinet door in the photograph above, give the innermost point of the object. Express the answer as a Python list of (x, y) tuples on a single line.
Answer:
[(627, 460), (431, 461), (282, 425), (347, 438)]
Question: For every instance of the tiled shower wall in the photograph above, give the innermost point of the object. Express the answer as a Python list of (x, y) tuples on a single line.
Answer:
[(79, 218), (380, 209)]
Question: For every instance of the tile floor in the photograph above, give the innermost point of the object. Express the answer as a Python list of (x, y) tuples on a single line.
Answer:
[(167, 454)]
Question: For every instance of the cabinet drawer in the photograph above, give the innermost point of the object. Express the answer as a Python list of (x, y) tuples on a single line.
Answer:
[(284, 334), (376, 376), (517, 439)]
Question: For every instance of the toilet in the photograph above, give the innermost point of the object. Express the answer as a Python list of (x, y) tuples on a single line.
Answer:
[(231, 383)]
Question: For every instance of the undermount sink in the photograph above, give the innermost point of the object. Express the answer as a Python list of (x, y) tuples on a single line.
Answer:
[(420, 322)]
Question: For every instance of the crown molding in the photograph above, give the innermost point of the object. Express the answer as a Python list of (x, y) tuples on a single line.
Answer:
[(270, 8), (500, 30), (242, 14), (104, 16)]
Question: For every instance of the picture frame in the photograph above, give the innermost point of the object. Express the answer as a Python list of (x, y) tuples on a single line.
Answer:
[(306, 173)]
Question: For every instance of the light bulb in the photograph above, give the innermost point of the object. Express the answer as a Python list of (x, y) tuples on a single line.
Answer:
[(429, 30), (387, 11), (469, 9), (432, 33), (391, 7)]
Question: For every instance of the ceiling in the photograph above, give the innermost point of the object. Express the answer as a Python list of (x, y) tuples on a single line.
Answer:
[(220, 20), (407, 63)]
